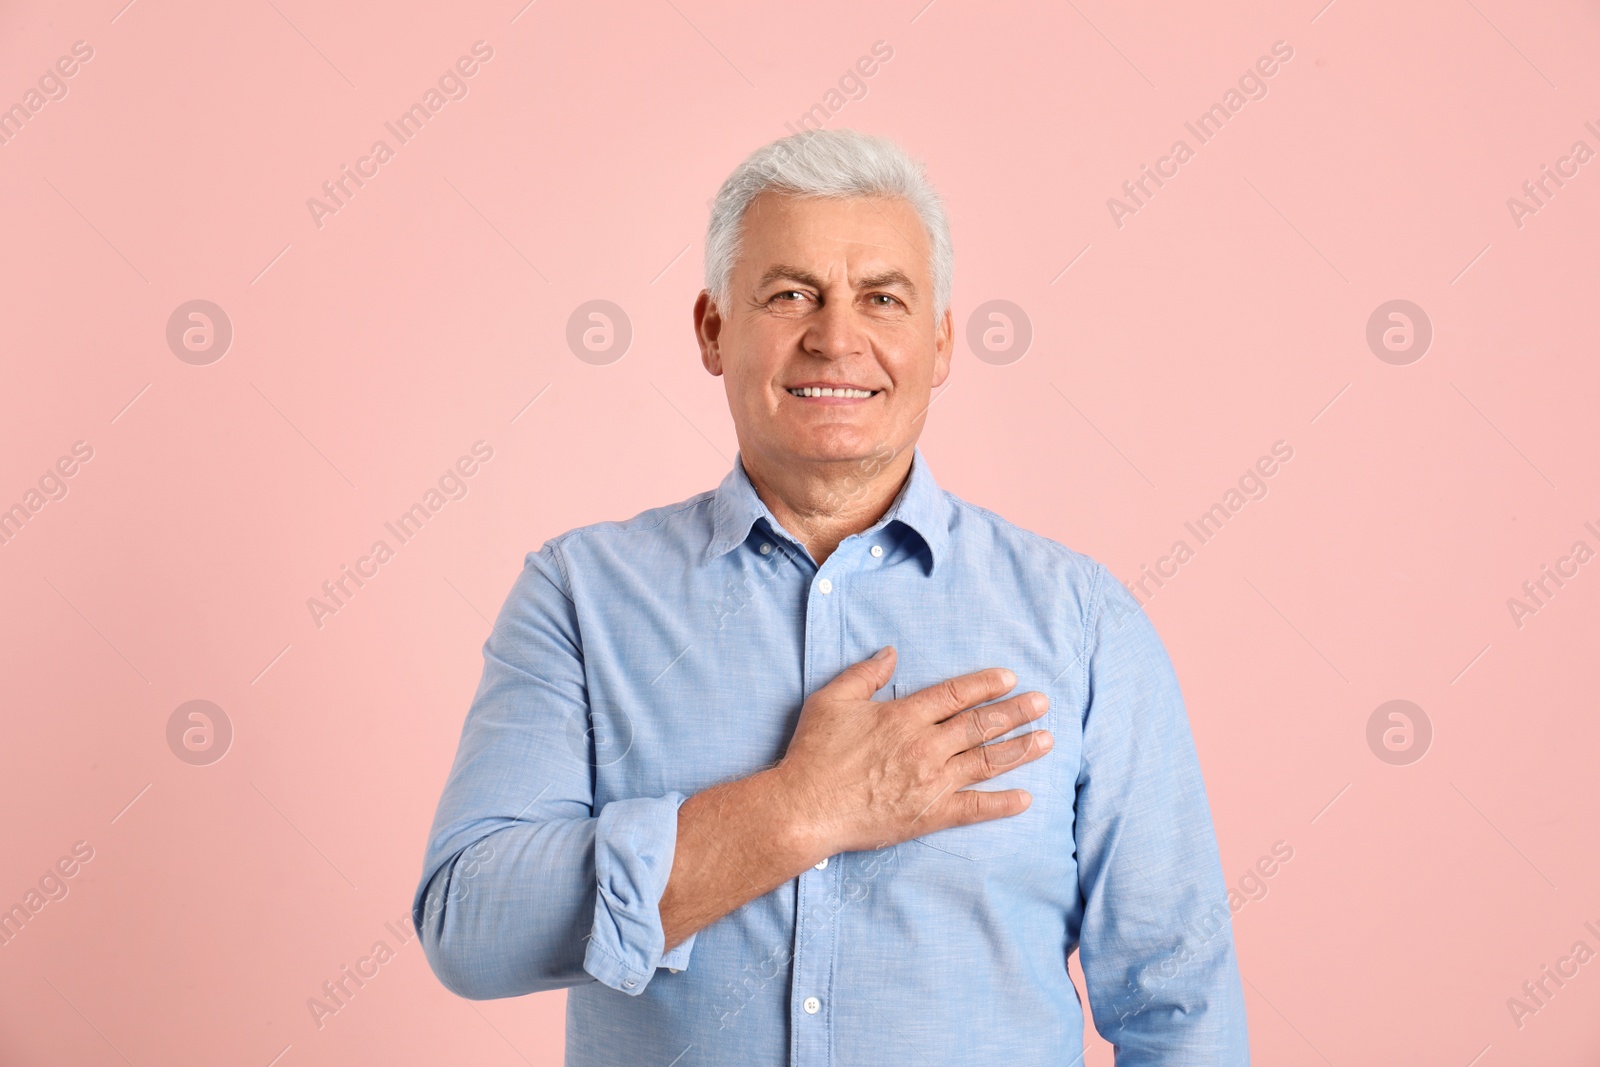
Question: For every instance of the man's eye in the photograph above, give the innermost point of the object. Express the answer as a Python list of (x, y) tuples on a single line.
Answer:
[(885, 296), (787, 293)]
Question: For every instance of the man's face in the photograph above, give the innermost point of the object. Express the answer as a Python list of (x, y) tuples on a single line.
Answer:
[(832, 293)]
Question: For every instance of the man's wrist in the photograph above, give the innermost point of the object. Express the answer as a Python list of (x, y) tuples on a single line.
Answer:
[(796, 836)]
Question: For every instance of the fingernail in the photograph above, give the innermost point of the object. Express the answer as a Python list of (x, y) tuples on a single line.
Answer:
[(882, 653), (1008, 678)]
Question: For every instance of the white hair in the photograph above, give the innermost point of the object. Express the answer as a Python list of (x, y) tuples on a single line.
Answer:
[(832, 164)]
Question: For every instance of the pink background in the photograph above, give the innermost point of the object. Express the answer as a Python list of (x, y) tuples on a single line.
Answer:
[(368, 354)]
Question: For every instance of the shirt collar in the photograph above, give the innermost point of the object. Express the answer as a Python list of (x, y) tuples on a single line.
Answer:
[(920, 506)]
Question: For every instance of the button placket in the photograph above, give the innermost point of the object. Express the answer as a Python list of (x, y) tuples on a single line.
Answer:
[(816, 897)]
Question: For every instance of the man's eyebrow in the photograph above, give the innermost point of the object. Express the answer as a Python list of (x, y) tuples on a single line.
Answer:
[(886, 279), (794, 274), (881, 280)]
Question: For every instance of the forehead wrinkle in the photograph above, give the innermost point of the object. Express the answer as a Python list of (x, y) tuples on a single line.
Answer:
[(858, 243), (874, 202), (874, 205), (852, 240)]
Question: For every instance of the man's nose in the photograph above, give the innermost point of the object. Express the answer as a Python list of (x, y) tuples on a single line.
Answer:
[(836, 331)]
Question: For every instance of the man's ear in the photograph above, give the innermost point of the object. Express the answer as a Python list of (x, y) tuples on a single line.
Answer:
[(707, 330), (943, 347)]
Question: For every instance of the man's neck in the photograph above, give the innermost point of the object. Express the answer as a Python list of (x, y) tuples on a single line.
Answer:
[(820, 504)]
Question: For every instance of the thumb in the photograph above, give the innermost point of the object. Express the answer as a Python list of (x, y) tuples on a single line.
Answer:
[(861, 680)]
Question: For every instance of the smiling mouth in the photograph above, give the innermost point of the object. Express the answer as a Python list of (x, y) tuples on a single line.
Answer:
[(843, 394)]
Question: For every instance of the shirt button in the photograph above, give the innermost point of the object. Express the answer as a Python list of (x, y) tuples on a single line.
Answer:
[(877, 550), (629, 983), (826, 586), (766, 549), (674, 970), (823, 865), (812, 1005)]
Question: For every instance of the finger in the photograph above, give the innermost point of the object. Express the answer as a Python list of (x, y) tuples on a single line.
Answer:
[(954, 695), (984, 762), (968, 806), (861, 680), (987, 722)]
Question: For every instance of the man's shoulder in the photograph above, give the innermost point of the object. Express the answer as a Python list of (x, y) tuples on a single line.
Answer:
[(988, 532), (683, 523), (1052, 572)]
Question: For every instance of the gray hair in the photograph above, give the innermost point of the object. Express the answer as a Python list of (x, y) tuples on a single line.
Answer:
[(825, 164)]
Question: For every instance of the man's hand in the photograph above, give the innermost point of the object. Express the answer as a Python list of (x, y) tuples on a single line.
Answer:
[(861, 774)]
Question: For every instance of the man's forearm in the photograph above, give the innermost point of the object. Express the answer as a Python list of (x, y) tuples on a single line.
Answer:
[(736, 841)]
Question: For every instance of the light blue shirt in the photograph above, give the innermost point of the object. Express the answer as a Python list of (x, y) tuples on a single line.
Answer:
[(637, 663)]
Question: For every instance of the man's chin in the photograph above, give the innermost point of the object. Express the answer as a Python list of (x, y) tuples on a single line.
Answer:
[(841, 444)]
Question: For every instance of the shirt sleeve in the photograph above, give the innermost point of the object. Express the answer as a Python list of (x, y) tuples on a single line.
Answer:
[(1157, 937), (525, 886)]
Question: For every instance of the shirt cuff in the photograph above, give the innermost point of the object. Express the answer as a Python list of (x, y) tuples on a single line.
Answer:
[(634, 843)]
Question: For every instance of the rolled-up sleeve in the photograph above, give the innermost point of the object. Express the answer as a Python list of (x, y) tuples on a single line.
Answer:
[(525, 886), (1157, 938)]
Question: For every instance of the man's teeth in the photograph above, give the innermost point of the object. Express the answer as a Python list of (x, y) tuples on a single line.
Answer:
[(814, 391)]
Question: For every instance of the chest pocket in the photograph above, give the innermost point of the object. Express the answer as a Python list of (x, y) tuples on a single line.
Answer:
[(1012, 833)]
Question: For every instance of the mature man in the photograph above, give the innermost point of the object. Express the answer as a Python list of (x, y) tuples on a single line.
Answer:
[(687, 790)]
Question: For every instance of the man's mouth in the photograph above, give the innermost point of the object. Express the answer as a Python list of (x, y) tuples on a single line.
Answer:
[(825, 391)]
